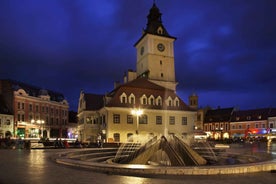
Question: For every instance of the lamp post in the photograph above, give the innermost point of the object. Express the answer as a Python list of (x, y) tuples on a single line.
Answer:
[(137, 113)]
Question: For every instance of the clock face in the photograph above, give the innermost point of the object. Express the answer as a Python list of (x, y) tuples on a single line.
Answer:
[(142, 50), (160, 47)]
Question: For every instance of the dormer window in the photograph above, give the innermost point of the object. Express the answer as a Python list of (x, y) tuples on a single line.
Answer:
[(144, 100), (169, 101), (159, 101), (131, 98), (151, 100), (160, 30), (123, 98), (176, 102)]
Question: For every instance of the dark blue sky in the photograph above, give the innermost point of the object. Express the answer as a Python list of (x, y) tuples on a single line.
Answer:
[(225, 49)]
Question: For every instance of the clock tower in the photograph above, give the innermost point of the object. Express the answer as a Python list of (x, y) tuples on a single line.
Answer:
[(155, 52)]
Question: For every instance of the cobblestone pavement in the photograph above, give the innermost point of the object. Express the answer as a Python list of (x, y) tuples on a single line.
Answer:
[(35, 166)]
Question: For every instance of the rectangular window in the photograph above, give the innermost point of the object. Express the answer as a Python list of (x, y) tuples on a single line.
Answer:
[(23, 106), (18, 105), (30, 107), (184, 121), (36, 108), (116, 118), (143, 119), (257, 125), (8, 122), (172, 120), (159, 120), (129, 119), (18, 117), (23, 117)]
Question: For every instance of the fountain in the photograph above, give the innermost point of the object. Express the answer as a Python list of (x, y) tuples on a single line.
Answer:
[(170, 151), (170, 155)]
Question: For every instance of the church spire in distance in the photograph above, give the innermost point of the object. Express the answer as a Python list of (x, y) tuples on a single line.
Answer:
[(154, 24)]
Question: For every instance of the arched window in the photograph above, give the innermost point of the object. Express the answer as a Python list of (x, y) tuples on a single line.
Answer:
[(123, 98), (159, 101), (169, 101), (116, 137), (176, 102), (160, 30), (131, 99), (143, 100), (130, 137), (151, 100)]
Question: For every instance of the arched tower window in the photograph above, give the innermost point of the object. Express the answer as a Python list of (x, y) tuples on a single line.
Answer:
[(160, 30)]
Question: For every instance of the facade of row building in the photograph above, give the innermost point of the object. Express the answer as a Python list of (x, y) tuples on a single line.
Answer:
[(228, 123), (37, 112)]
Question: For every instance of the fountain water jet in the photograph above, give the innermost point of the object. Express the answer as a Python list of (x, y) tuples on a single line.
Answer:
[(171, 151)]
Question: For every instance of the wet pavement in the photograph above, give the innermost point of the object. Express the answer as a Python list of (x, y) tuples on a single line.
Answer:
[(36, 166)]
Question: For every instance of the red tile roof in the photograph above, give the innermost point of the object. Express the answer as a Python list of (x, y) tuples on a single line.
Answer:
[(93, 101), (140, 87)]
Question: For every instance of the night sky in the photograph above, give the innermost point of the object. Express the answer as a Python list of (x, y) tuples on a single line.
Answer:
[(225, 50)]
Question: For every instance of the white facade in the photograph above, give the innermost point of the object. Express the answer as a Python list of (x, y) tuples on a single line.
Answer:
[(6, 125)]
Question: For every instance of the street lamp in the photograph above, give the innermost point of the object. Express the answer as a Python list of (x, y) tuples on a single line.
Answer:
[(137, 113)]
